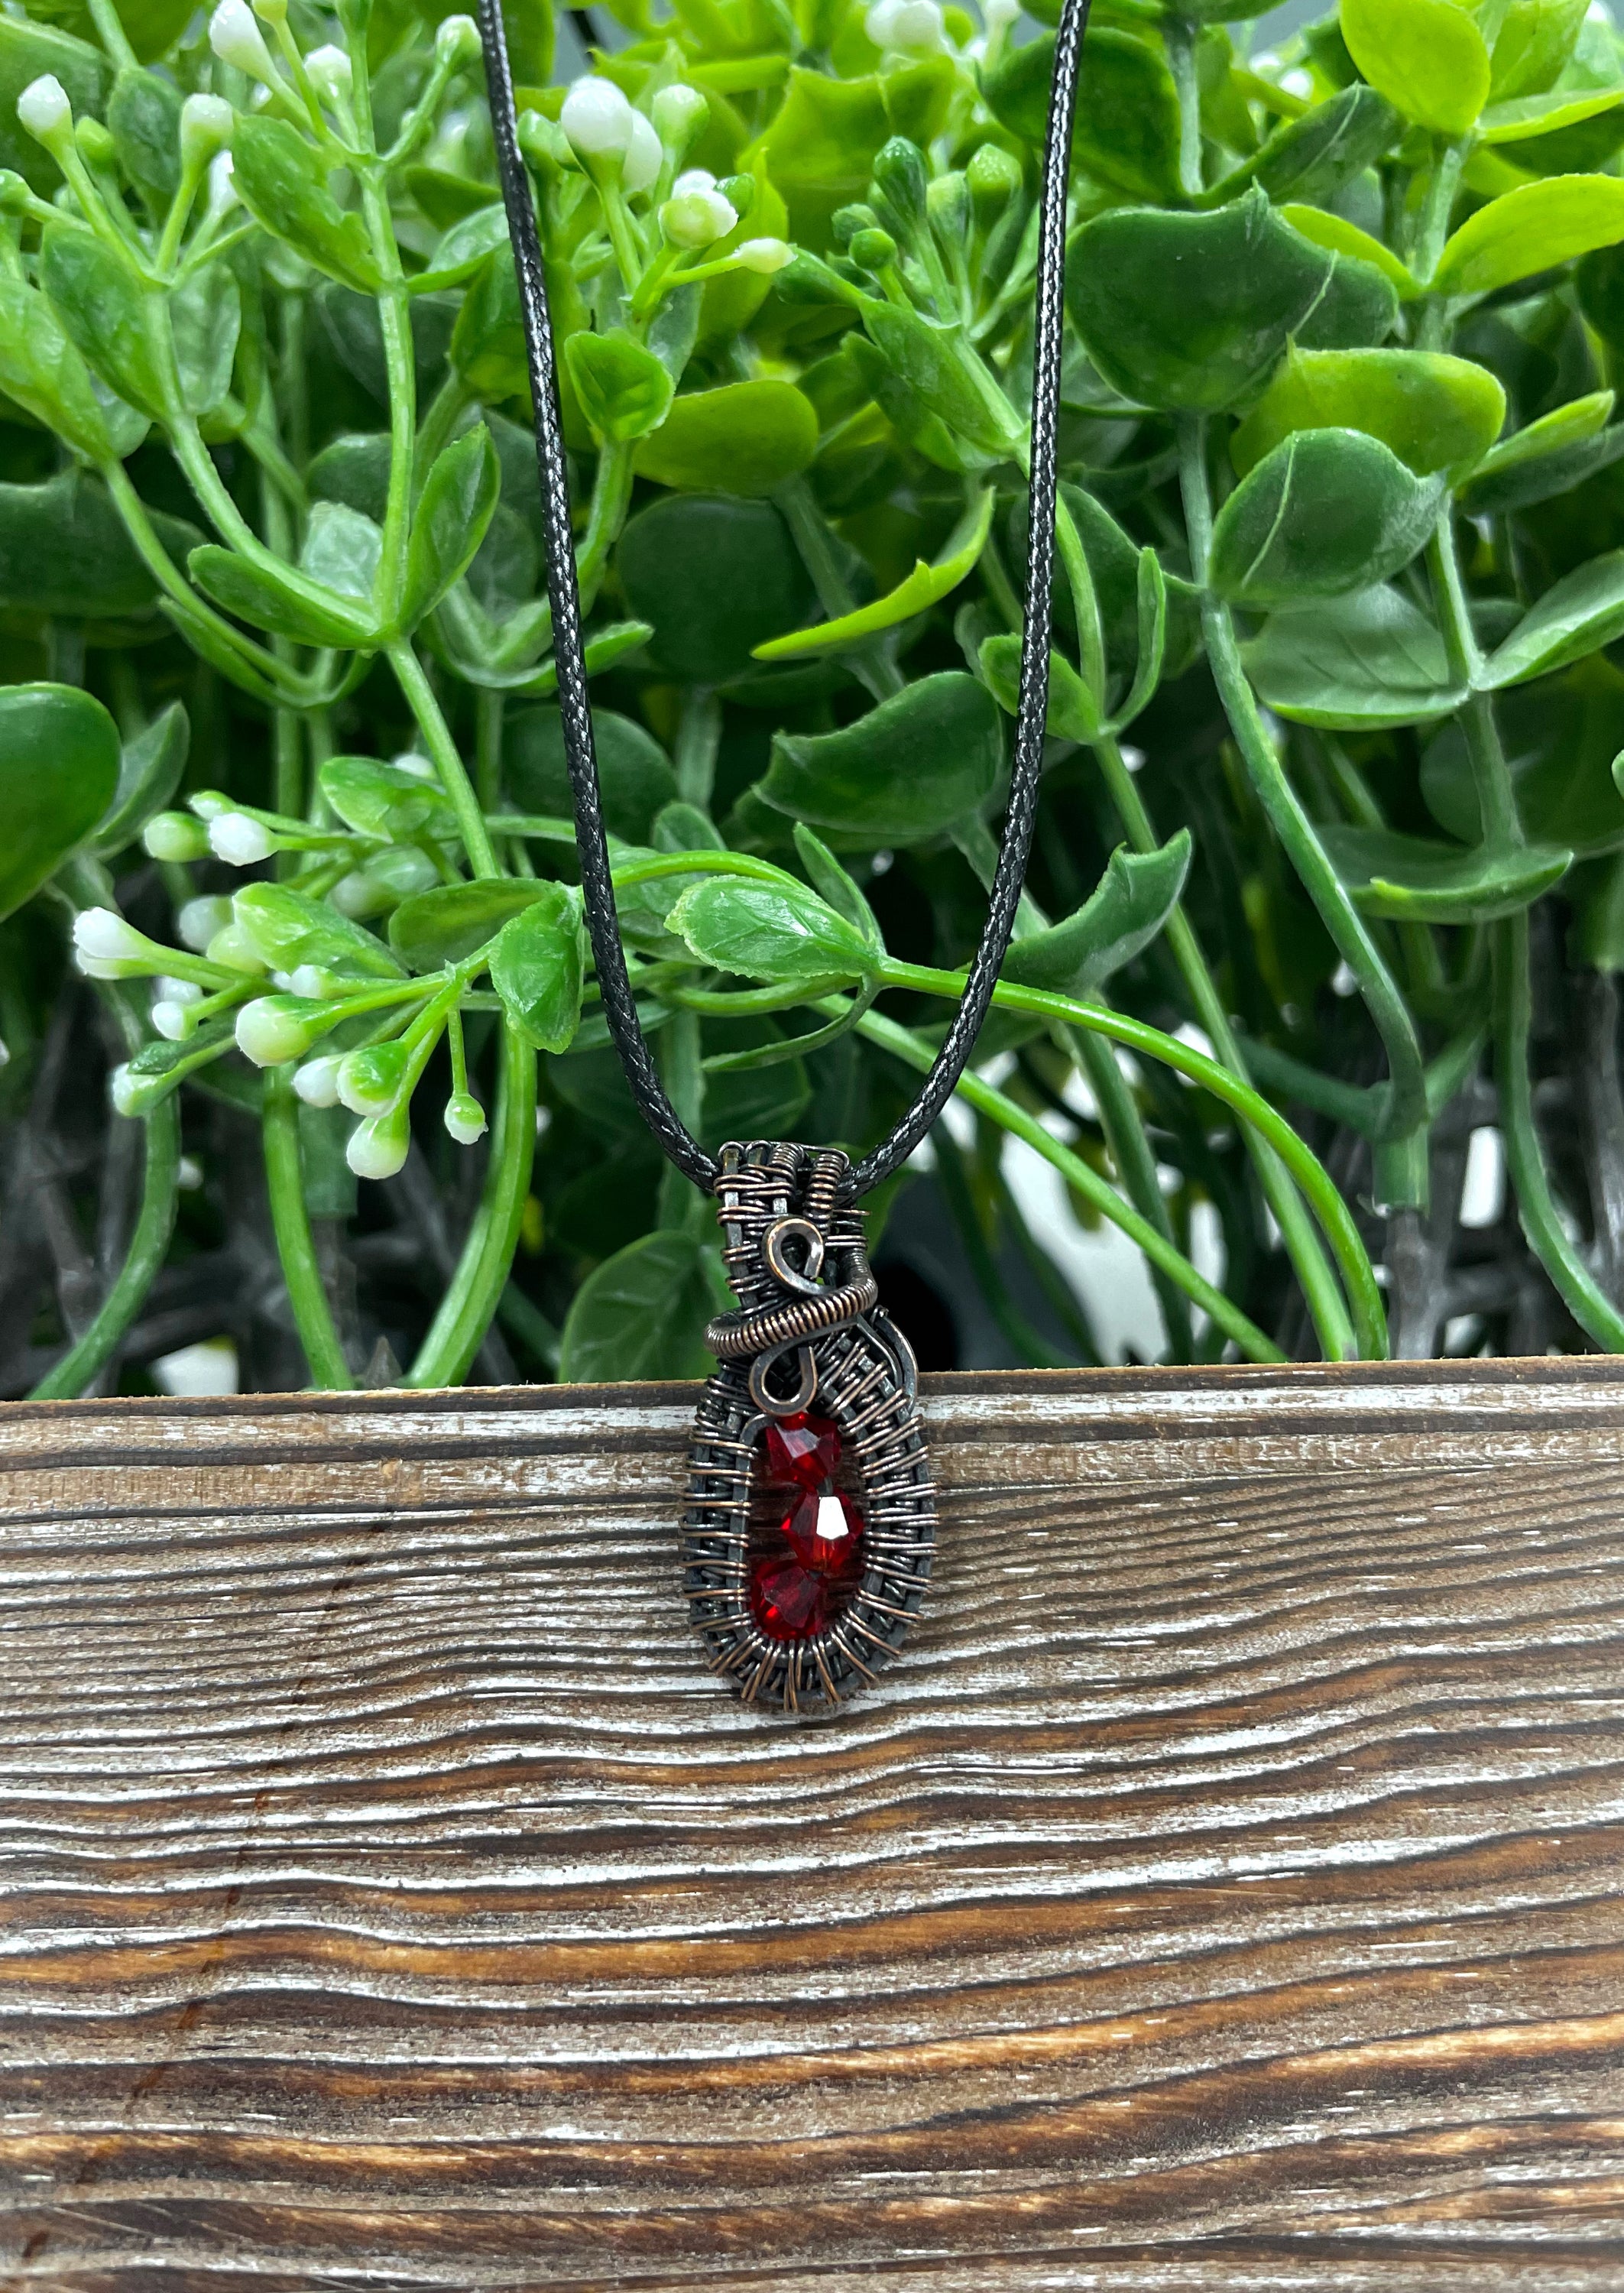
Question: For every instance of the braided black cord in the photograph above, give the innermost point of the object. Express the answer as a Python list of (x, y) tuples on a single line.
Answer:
[(619, 1008)]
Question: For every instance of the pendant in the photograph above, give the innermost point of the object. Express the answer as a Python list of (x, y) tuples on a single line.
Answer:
[(812, 1515)]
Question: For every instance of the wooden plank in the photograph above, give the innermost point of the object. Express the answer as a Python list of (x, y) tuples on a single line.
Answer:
[(1224, 1890)]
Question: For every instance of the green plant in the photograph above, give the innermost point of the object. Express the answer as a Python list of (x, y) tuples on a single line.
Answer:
[(1340, 554)]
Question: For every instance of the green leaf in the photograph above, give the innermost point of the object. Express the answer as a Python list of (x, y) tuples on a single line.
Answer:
[(354, 470), (1412, 879), (149, 769), (1126, 133), (769, 931), (537, 966), (634, 773), (488, 348), (63, 550), (642, 1312), (820, 149), (449, 924), (206, 312), (1426, 57), (1192, 310), (384, 800), (1550, 457), (342, 551), (1532, 228), (1578, 615), (744, 438), (622, 389), (1327, 512), (289, 929), (1354, 663), (614, 642), (1535, 41), (458, 498), (277, 602), (836, 887), (1433, 411), (42, 370), (1128, 908), (714, 578), (106, 311), (937, 366), (1338, 236), (58, 771), (925, 586), (1312, 158), (926, 757), (1529, 117), (469, 243), (143, 117), (1071, 714), (283, 183)]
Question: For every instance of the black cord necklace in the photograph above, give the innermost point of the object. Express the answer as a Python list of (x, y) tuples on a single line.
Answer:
[(804, 1618)]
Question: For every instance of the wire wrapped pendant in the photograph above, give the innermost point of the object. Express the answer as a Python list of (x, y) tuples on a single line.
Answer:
[(810, 1520)]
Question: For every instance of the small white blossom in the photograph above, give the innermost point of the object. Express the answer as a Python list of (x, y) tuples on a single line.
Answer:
[(908, 27), (998, 15), (172, 1020), (269, 1032), (206, 125), (331, 74), (465, 1118), (237, 39), (378, 1149), (645, 156), (123, 1091), (222, 189), (420, 767), (697, 214), (369, 1082), (240, 839), (44, 108), (103, 935), (763, 254), (679, 112), (597, 119), (200, 920), (317, 1081)]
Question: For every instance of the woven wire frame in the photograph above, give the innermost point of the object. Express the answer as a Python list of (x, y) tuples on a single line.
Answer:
[(866, 1388)]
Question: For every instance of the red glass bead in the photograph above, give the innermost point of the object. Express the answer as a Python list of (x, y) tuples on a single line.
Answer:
[(824, 1533), (803, 1450), (790, 1603)]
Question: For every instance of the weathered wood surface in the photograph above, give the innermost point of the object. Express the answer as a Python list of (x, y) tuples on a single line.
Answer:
[(1224, 1890)]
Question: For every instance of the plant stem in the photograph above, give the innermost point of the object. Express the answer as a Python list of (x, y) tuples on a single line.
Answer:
[(475, 1290), (810, 531), (1541, 1221), (1131, 1152), (1336, 1220), (1105, 1199), (1497, 804), (295, 1245), (148, 1247), (447, 760), (1405, 1115), (1179, 38), (1302, 1244)]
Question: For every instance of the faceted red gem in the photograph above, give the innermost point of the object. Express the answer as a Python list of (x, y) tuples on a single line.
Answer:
[(803, 1579), (791, 1602), (824, 1533), (802, 1449)]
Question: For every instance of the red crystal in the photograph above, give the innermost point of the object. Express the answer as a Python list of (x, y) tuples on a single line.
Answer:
[(807, 1570), (790, 1603), (803, 1450), (824, 1532)]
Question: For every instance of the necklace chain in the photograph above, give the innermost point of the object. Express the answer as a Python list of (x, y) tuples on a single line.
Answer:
[(614, 985)]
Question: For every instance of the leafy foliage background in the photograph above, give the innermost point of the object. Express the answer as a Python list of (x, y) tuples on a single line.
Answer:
[(304, 1045)]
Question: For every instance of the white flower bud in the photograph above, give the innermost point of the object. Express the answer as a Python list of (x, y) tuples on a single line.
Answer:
[(465, 1118), (998, 15), (765, 254), (645, 156), (273, 1029), (206, 125), (420, 767), (318, 984), (908, 28), (331, 74), (103, 935), (200, 920), (697, 218), (679, 113), (597, 119), (123, 1091), (240, 839), (172, 1020), (45, 110), (188, 1174), (370, 1080), (234, 951), (457, 40), (377, 1149), (317, 1081), (388, 878), (237, 39), (178, 991), (222, 189)]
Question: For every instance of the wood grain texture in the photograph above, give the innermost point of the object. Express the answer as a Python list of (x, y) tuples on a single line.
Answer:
[(1222, 1890)]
